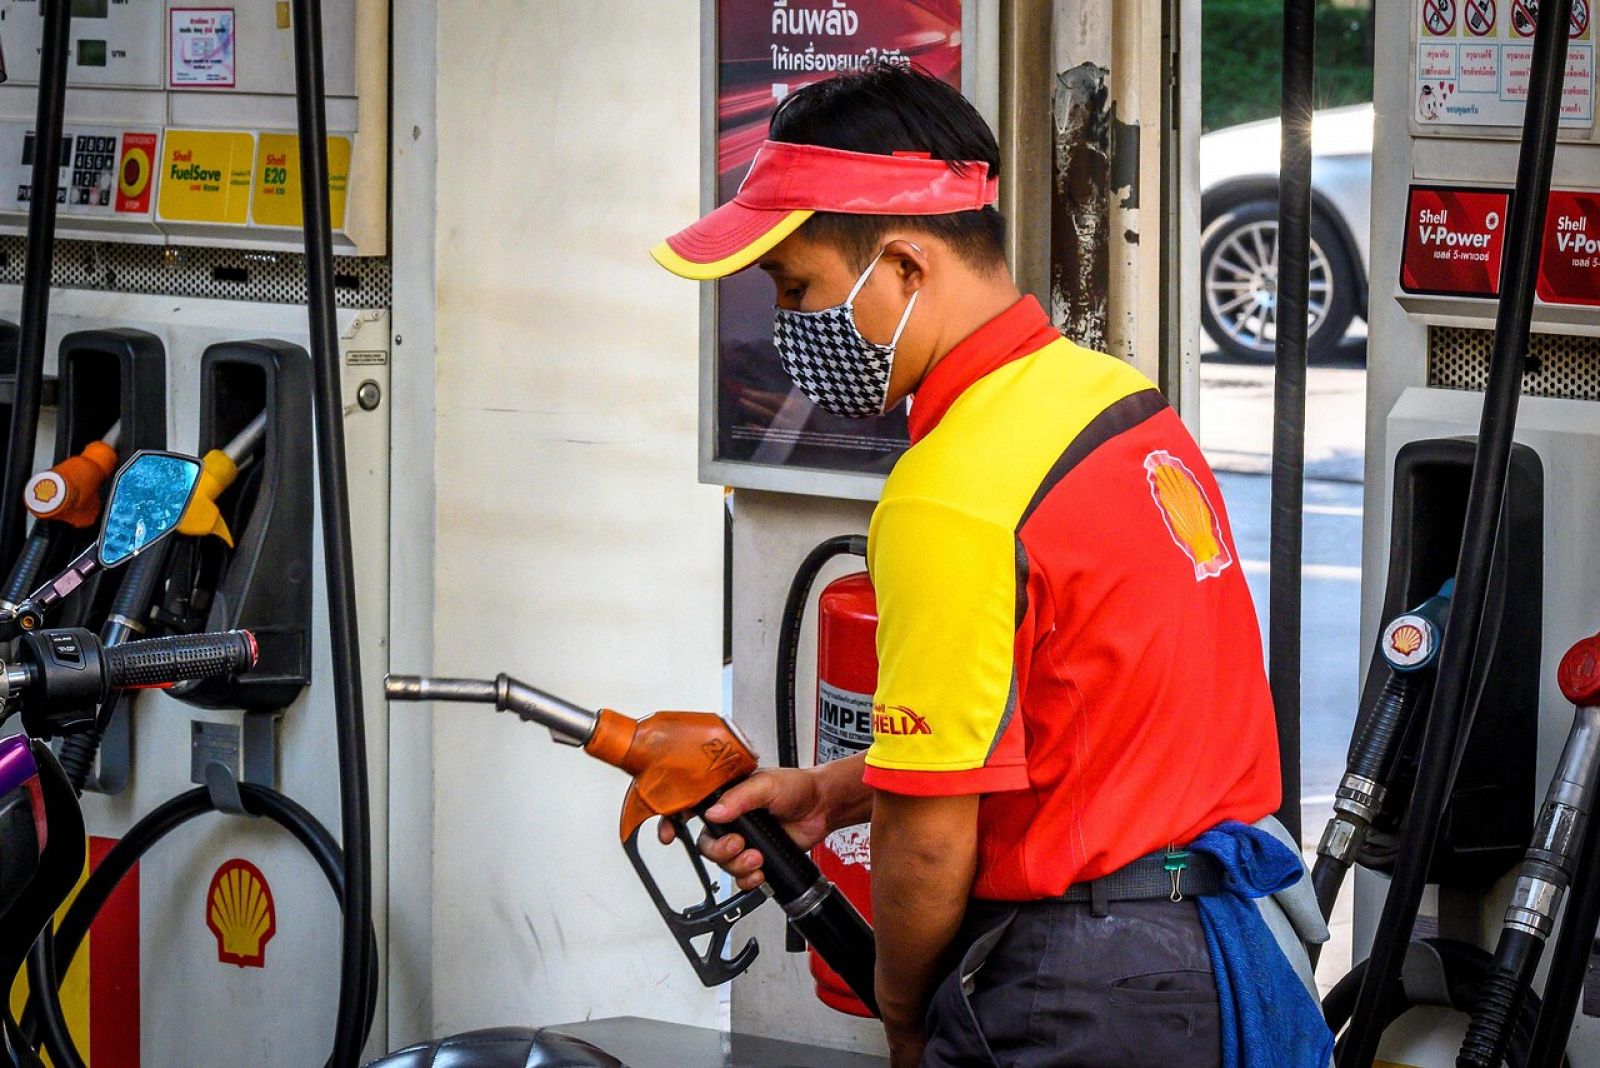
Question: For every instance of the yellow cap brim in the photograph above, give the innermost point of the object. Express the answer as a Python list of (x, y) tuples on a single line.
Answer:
[(733, 262)]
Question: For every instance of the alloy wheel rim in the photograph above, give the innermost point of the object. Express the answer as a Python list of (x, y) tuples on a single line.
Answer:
[(1241, 286)]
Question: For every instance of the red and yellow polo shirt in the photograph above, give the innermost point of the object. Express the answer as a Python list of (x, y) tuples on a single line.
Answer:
[(1064, 626)]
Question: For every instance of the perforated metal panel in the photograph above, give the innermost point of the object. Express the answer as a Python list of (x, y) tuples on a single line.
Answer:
[(1564, 365), (214, 273)]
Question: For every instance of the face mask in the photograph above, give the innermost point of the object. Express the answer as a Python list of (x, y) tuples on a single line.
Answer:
[(829, 360)]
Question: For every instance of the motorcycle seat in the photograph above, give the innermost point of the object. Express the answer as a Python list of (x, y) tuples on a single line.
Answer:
[(501, 1047)]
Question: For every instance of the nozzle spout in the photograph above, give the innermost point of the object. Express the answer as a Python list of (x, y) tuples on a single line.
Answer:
[(567, 722), (427, 688)]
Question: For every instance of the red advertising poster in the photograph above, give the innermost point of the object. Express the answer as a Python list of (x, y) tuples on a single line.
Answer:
[(1454, 238), (1569, 264), (767, 49)]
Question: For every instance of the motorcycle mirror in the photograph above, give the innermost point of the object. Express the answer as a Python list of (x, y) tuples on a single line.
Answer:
[(146, 503)]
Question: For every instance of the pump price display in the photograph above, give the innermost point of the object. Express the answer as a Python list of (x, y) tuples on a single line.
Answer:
[(1454, 238), (1569, 264)]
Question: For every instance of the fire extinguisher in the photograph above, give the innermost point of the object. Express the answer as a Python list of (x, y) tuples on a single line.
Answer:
[(847, 676)]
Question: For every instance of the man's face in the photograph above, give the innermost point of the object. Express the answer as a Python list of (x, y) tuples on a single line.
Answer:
[(811, 275)]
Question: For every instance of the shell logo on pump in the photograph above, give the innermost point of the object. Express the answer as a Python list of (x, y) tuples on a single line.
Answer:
[(240, 912), (1187, 511)]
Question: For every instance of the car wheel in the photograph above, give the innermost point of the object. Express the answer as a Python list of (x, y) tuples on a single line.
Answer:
[(1239, 287)]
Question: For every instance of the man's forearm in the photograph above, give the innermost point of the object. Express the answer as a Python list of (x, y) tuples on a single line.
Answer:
[(924, 856), (848, 800)]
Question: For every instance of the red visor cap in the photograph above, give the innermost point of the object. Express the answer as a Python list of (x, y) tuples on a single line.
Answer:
[(787, 183)]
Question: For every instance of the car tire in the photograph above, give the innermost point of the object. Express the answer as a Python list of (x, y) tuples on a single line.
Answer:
[(1238, 283)]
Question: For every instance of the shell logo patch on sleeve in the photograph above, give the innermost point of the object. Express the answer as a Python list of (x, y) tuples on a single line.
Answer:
[(1188, 514), (241, 913)]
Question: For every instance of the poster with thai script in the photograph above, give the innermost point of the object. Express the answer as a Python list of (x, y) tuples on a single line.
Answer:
[(1475, 59), (767, 49), (202, 49)]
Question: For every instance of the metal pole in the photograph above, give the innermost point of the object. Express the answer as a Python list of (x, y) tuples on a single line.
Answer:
[(356, 952), (1289, 395), (1450, 716), (57, 18)]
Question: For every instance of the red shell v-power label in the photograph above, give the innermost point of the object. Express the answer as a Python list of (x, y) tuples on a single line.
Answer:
[(1454, 238), (1569, 263)]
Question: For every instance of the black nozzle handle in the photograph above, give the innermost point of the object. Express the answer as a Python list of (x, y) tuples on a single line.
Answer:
[(157, 661), (815, 907)]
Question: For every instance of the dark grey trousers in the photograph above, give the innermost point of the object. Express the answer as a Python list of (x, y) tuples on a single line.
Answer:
[(1050, 984)]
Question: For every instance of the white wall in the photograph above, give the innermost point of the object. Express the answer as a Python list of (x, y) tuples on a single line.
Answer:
[(572, 546)]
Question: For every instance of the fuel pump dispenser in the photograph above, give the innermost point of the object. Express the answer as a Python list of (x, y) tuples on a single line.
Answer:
[(215, 278), (1455, 218)]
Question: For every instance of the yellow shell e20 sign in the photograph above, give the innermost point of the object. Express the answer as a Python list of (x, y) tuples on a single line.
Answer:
[(240, 913)]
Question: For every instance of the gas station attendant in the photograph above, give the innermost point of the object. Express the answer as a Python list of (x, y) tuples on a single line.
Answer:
[(1071, 692)]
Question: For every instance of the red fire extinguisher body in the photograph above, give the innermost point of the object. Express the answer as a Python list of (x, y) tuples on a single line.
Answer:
[(847, 676)]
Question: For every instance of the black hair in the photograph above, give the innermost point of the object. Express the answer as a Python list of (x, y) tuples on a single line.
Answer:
[(886, 108)]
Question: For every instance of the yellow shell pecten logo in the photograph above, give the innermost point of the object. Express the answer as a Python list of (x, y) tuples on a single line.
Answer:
[(1190, 519), (241, 914), (1406, 639)]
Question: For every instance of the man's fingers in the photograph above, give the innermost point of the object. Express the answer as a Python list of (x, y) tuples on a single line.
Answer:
[(665, 832), (719, 850), (750, 882), (757, 791)]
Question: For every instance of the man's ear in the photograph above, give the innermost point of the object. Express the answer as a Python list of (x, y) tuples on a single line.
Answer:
[(909, 262)]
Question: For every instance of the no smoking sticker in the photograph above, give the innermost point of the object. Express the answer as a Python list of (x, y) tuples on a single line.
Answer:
[(1439, 16), (1454, 238), (1580, 19)]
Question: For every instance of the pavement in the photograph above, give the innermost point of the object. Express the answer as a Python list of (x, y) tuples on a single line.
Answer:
[(1236, 435)]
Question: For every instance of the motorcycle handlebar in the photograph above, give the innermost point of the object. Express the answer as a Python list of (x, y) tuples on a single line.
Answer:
[(158, 661)]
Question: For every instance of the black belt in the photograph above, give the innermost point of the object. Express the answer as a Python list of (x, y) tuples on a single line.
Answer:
[(1173, 875)]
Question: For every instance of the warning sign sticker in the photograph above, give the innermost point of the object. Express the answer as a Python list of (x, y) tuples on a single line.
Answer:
[(1474, 61), (1569, 265), (1454, 238)]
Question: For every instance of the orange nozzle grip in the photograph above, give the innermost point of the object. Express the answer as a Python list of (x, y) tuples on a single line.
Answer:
[(677, 760), (70, 491), (202, 517)]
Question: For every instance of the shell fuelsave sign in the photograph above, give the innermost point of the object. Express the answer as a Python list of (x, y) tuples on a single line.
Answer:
[(241, 914)]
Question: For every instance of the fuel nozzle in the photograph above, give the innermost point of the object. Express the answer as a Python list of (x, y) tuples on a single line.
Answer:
[(69, 492), (1410, 647), (218, 470)]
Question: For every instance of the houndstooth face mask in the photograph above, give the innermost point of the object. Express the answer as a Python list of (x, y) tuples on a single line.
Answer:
[(829, 360)]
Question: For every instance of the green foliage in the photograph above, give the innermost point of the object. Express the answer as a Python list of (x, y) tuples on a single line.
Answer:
[(1241, 46)]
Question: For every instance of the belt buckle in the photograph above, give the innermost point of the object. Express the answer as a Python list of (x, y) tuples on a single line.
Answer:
[(1175, 862)]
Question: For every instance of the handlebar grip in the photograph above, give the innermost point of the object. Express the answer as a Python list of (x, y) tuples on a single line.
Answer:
[(157, 661)]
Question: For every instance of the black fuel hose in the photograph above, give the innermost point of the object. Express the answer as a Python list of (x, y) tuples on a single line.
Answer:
[(38, 256), (125, 620), (1450, 717), (162, 821), (1546, 872), (1291, 310), (1461, 967), (794, 612), (357, 951), (25, 572)]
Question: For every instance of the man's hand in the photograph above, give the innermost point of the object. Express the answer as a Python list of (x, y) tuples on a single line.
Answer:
[(808, 802), (924, 858)]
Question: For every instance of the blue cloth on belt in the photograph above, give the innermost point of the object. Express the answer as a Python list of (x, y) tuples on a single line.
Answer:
[(1269, 1020)]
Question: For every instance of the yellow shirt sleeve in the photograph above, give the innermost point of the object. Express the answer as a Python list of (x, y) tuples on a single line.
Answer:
[(947, 584)]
